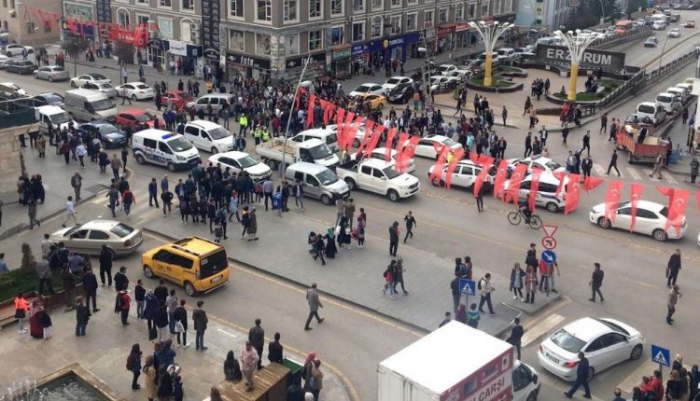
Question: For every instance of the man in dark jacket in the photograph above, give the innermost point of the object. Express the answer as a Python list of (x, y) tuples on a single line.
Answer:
[(180, 315), (581, 378), (256, 336), (394, 238), (673, 268), (106, 258), (516, 335), (121, 282), (597, 282), (161, 292), (90, 288), (68, 281), (200, 320), (275, 350), (43, 270)]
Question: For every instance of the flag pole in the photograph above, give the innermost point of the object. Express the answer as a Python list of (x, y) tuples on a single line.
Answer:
[(291, 115)]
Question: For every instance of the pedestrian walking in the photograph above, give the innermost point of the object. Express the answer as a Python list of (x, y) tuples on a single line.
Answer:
[(398, 275), (31, 212), (394, 238), (180, 319), (504, 115), (544, 134), (249, 361), (658, 164), (516, 281), (530, 284), (564, 134), (167, 198), (314, 303), (516, 335), (116, 166), (673, 268), (349, 212), (68, 282), (82, 317), (133, 364), (106, 258), (613, 163), (90, 288), (485, 289), (447, 319), (410, 223), (128, 200), (587, 166), (528, 145), (473, 316), (673, 296), (581, 377), (200, 320), (603, 124), (479, 201), (125, 96), (694, 167), (339, 211), (596, 283), (153, 193), (70, 212), (256, 336)]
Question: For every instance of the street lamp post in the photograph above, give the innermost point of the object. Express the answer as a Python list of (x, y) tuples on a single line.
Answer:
[(576, 48), (490, 32)]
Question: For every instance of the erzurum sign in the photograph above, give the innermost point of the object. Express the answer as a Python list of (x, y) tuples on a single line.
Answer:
[(592, 58)]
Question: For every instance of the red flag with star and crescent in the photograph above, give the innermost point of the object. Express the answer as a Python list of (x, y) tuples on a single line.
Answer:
[(500, 180), (612, 199), (677, 205), (483, 175), (635, 196), (456, 157), (516, 178), (442, 152), (406, 152), (573, 193), (534, 188), (389, 140)]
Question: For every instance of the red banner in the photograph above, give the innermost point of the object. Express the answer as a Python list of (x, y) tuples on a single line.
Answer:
[(573, 193), (635, 195), (591, 183), (456, 157), (389, 140), (406, 153), (513, 193), (310, 111), (443, 151), (612, 199), (677, 205), (534, 188), (500, 179), (482, 176)]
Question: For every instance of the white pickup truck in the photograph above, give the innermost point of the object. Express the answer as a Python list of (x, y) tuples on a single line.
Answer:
[(378, 176), (313, 150)]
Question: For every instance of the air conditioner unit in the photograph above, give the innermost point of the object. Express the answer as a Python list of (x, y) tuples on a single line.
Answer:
[(195, 27)]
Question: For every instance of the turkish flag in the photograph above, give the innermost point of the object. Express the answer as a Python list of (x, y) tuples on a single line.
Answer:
[(635, 195), (473, 156), (310, 112), (440, 165), (340, 131), (456, 157), (482, 176), (573, 193), (677, 205), (591, 183), (407, 151), (350, 134), (376, 136), (516, 179), (534, 188), (369, 131), (328, 109), (389, 140), (559, 175), (612, 199), (72, 25), (500, 179)]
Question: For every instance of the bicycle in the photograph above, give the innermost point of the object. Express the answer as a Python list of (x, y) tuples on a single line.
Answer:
[(516, 217)]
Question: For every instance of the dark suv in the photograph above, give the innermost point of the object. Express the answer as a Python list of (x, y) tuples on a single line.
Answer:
[(402, 93)]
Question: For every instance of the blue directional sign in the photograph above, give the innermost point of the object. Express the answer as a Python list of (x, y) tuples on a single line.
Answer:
[(662, 356), (549, 257), (467, 286)]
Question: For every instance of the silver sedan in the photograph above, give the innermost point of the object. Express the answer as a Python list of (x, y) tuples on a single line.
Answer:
[(103, 87), (89, 237), (52, 73)]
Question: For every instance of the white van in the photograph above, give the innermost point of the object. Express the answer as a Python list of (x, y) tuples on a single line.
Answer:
[(546, 192), (164, 148), (216, 100), (320, 182), (670, 101), (326, 135), (680, 92), (651, 110), (208, 136), (52, 115), (87, 105)]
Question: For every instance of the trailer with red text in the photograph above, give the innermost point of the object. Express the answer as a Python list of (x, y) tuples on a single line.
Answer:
[(457, 363)]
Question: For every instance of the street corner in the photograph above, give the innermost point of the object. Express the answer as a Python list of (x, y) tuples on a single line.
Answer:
[(542, 301)]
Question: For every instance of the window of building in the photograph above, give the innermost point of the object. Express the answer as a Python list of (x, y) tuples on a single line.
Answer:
[(442, 15), (411, 21), (186, 27), (315, 8), (459, 12), (358, 5), (187, 5), (290, 9), (337, 7), (264, 11), (123, 18), (166, 27), (395, 22), (315, 40), (262, 44), (509, 6), (291, 45), (396, 3), (428, 18), (411, 2), (376, 27), (485, 9), (142, 1), (165, 3), (142, 19), (358, 31), (236, 40), (472, 11), (235, 8), (377, 5), (337, 35)]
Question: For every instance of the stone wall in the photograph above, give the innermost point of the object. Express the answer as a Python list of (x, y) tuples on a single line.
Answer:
[(11, 163)]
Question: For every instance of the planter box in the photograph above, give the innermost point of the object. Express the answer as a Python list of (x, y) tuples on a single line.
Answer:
[(51, 302)]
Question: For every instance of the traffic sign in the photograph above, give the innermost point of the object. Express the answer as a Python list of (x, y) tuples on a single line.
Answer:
[(467, 286), (549, 230), (662, 356), (549, 257), (549, 242)]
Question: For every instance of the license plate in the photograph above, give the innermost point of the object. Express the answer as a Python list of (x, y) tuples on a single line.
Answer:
[(215, 279), (553, 359)]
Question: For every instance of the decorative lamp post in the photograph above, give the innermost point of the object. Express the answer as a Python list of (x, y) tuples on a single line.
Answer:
[(577, 46), (490, 32)]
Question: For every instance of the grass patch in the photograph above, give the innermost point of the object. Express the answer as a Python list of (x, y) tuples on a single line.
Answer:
[(24, 280), (496, 81), (609, 85)]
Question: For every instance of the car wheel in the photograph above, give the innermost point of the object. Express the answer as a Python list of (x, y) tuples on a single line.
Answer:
[(636, 352), (393, 195), (140, 159), (356, 143), (659, 235), (532, 396), (73, 85), (50, 78), (603, 222), (189, 289), (9, 54), (552, 207), (171, 167), (351, 183), (436, 181), (148, 272), (214, 150), (133, 97), (326, 200), (591, 373)]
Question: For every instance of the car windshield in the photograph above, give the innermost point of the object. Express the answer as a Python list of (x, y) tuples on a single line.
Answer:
[(362, 89), (121, 230), (552, 165), (664, 99), (327, 177), (393, 81), (60, 118), (248, 161), (332, 138), (664, 211), (104, 104), (219, 133), (566, 341), (646, 109), (53, 98), (142, 86), (145, 117), (58, 69), (320, 152), (391, 173), (98, 77), (449, 142), (179, 144)]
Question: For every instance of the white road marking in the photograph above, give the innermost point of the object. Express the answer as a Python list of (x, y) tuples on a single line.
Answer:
[(227, 333), (541, 328), (634, 174), (670, 179), (600, 170), (653, 178)]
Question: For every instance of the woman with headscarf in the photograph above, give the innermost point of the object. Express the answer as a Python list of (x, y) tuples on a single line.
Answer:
[(36, 313), (165, 384), (342, 233), (232, 369), (306, 369), (331, 249), (149, 371), (316, 384)]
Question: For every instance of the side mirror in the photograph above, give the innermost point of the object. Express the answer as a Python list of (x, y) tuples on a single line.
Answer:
[(535, 379)]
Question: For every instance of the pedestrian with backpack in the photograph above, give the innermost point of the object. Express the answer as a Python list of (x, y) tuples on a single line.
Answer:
[(122, 305), (389, 279), (133, 365), (486, 289)]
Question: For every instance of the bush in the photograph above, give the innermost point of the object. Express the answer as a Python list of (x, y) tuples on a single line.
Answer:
[(24, 281)]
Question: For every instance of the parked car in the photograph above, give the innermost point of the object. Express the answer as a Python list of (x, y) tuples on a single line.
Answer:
[(82, 79), (436, 81), (670, 101), (102, 87), (689, 24), (444, 69), (402, 93), (4, 61), (108, 134), (88, 238), (49, 98), (136, 91), (20, 67), (130, 117), (427, 145), (674, 33), (179, 98), (52, 73), (650, 219), (242, 161), (458, 75), (393, 82), (375, 89), (605, 342), (16, 50)]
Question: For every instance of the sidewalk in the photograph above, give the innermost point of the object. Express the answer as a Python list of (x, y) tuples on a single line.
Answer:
[(104, 350), (355, 275)]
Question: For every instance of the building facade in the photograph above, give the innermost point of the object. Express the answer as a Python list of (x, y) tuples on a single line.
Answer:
[(18, 25), (548, 14)]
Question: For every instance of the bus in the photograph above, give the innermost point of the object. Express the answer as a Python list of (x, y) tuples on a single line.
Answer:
[(624, 26)]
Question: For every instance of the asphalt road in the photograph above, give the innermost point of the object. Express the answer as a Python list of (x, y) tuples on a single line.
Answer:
[(449, 226)]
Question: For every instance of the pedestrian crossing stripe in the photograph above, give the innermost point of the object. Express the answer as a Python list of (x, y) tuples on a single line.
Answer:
[(660, 359)]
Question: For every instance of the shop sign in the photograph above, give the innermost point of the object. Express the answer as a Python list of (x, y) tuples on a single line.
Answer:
[(297, 62), (248, 61), (178, 48), (342, 54), (445, 31), (462, 26)]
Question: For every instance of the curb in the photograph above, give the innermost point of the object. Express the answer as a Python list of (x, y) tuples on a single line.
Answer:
[(535, 311)]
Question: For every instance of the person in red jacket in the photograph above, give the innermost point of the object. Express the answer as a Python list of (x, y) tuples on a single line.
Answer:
[(123, 303)]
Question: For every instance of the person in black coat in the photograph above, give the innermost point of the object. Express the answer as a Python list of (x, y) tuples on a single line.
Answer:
[(150, 309), (165, 383), (140, 298), (106, 257), (121, 282), (90, 288), (161, 321), (673, 268), (581, 377), (161, 292), (275, 350), (516, 335), (180, 315)]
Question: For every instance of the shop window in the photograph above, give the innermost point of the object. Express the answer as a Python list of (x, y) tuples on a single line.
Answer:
[(337, 7), (358, 31), (315, 8), (376, 27), (315, 40), (290, 10), (264, 10)]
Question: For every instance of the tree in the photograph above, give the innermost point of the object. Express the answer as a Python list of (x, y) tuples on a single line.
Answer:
[(124, 52), (74, 47)]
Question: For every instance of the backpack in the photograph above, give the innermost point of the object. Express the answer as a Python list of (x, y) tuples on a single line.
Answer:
[(479, 286), (118, 303), (129, 362)]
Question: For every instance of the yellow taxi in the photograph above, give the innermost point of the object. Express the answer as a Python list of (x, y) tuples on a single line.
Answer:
[(196, 264), (376, 102)]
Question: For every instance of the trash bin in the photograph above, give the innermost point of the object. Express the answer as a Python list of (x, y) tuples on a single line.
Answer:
[(295, 369)]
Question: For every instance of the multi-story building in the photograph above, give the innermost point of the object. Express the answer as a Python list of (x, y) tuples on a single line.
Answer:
[(20, 25), (343, 36), (549, 14)]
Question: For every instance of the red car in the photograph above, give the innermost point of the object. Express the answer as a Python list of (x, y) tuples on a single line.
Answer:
[(131, 117), (180, 98)]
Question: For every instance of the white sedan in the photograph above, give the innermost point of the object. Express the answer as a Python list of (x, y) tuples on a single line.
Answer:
[(359, 135), (605, 342), (380, 153), (242, 161), (136, 91), (674, 33), (393, 82), (650, 219), (544, 163), (17, 50), (82, 79), (426, 146), (437, 80), (464, 175), (366, 89)]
